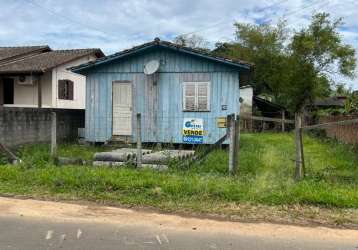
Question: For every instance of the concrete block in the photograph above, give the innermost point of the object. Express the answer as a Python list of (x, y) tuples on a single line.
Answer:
[(123, 155), (108, 163), (162, 157), (155, 167)]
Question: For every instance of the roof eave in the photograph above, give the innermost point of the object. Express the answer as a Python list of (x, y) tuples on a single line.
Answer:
[(269, 102), (75, 58), (80, 68), (24, 72), (235, 64), (99, 53)]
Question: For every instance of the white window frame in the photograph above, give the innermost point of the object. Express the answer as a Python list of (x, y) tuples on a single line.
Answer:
[(196, 97)]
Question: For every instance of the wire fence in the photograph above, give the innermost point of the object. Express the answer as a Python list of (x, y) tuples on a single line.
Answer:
[(258, 124), (187, 128), (163, 128), (20, 126), (193, 132), (30, 125), (343, 129), (343, 132)]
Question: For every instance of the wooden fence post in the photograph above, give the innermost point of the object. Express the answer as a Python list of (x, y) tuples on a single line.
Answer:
[(283, 121), (54, 135), (232, 146), (139, 141), (303, 172), (237, 143), (299, 147)]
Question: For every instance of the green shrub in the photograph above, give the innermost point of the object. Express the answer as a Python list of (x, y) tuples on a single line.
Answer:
[(265, 176)]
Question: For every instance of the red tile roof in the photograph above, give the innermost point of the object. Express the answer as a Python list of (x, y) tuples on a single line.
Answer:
[(10, 53), (41, 62)]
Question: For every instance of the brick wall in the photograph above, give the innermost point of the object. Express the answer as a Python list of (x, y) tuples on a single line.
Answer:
[(343, 133), (30, 125)]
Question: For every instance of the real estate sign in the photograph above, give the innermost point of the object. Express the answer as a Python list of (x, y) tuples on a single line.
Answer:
[(193, 130)]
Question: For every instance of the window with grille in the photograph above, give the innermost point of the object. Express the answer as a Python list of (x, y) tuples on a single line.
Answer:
[(65, 89), (196, 96)]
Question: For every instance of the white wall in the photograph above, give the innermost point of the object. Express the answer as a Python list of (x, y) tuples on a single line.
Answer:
[(46, 86), (79, 85), (246, 93), (27, 95)]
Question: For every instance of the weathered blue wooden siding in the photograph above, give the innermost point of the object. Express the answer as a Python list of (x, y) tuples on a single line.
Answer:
[(160, 105)]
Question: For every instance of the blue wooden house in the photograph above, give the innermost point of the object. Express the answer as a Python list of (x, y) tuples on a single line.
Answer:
[(181, 94)]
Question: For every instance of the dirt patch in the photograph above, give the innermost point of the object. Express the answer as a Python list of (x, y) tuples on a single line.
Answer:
[(308, 216), (102, 214)]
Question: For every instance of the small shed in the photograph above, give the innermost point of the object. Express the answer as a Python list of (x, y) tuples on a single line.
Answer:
[(330, 102), (181, 93)]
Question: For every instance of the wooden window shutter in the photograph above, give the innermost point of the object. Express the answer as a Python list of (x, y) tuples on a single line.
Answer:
[(196, 96), (65, 89), (70, 90), (203, 94), (61, 89), (189, 93)]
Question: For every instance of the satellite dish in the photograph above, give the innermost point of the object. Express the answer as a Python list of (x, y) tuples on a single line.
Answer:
[(151, 67)]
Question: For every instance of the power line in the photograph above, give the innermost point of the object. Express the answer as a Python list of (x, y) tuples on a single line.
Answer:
[(297, 10), (306, 7), (66, 18), (288, 14), (225, 21)]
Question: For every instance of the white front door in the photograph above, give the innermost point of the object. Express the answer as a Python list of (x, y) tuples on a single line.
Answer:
[(122, 108)]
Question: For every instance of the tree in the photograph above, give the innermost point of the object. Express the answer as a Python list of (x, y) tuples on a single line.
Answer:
[(351, 104), (192, 41), (295, 70), (341, 90), (264, 45), (315, 53)]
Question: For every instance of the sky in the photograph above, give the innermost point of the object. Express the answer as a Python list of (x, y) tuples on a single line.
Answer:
[(114, 25)]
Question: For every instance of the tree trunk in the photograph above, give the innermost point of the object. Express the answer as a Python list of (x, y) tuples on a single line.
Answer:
[(299, 146)]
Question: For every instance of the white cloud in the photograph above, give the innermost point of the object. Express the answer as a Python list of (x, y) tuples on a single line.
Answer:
[(115, 25)]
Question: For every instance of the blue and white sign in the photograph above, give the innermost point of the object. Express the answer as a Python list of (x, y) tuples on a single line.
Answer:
[(193, 130)]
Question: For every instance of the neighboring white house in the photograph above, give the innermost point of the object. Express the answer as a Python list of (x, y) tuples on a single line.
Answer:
[(258, 105), (246, 98), (39, 77)]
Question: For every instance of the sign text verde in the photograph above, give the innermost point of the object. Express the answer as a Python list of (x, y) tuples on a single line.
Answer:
[(193, 130)]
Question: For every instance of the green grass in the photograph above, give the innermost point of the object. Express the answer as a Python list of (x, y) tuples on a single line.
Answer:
[(265, 177), (38, 155)]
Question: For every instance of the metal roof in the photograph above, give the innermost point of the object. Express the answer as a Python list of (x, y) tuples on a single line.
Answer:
[(338, 101), (164, 44)]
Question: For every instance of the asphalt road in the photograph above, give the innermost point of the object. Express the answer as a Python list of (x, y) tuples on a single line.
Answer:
[(44, 226)]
